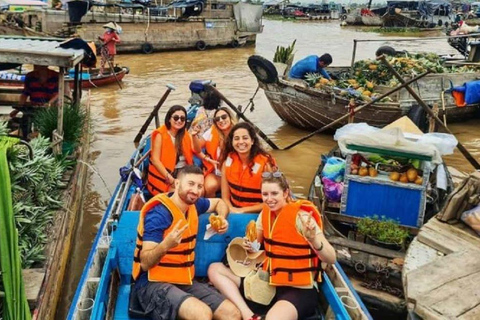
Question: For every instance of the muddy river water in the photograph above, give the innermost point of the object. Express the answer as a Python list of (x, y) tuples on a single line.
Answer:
[(118, 114)]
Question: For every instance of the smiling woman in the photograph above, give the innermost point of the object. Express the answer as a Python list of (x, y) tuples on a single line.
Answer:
[(172, 150), (243, 163)]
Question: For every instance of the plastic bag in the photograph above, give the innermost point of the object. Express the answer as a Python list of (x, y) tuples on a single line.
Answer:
[(332, 190), (444, 142), (472, 218), (334, 168), (353, 129)]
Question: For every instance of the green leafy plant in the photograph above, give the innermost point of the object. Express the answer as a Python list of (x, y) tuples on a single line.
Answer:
[(284, 55), (74, 118), (382, 229), (312, 78), (36, 196)]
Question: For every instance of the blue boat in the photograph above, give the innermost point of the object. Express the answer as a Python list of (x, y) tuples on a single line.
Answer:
[(104, 289)]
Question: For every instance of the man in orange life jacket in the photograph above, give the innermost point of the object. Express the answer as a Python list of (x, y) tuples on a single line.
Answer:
[(163, 260)]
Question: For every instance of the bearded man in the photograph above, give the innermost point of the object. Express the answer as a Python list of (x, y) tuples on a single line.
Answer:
[(163, 267)]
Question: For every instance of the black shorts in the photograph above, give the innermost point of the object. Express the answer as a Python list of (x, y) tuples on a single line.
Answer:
[(161, 301), (304, 300)]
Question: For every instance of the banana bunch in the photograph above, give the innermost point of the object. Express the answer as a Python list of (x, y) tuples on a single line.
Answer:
[(283, 55)]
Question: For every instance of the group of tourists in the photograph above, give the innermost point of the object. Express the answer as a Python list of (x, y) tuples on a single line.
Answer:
[(233, 161)]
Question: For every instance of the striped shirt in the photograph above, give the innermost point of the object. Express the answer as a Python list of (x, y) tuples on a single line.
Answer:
[(40, 93)]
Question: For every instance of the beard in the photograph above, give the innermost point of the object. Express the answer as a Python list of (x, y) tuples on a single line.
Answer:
[(187, 197)]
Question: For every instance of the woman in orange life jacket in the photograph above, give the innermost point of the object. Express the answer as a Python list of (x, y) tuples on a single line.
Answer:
[(288, 229), (213, 142), (243, 163), (172, 149)]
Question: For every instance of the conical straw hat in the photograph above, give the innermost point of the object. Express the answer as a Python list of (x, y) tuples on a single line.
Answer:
[(240, 261), (404, 124)]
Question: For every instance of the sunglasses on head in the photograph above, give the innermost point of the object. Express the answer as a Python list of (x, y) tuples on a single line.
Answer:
[(177, 117), (222, 117), (276, 174)]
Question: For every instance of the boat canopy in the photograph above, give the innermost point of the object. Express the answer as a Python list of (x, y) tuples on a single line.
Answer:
[(21, 5), (426, 8)]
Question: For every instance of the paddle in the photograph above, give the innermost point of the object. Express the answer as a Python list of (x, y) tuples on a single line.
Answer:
[(153, 114), (460, 147), (356, 110), (244, 118), (104, 52)]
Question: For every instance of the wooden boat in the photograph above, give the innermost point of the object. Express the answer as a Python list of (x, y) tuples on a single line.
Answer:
[(375, 272), (309, 108), (104, 289), (179, 25), (89, 80)]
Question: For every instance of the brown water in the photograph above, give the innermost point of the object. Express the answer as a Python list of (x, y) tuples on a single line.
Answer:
[(118, 114)]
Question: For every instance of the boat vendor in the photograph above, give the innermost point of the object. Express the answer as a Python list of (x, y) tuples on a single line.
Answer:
[(109, 40), (209, 147), (204, 117), (311, 64), (243, 162), (41, 86), (288, 229), (163, 267), (172, 149)]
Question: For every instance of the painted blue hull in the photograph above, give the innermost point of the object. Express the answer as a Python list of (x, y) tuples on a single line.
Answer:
[(104, 287)]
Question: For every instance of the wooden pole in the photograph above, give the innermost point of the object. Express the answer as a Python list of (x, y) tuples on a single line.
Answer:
[(153, 114), (460, 147), (61, 100), (244, 118), (354, 52), (331, 124)]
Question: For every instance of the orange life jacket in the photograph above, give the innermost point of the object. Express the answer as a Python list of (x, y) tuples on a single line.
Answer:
[(290, 259), (157, 183), (212, 150), (176, 266), (245, 183)]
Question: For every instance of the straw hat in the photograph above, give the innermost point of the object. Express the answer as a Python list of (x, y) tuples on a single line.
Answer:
[(111, 25), (240, 261), (257, 287), (404, 124)]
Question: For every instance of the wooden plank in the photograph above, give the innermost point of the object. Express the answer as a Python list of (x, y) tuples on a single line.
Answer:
[(433, 275), (419, 254), (454, 298), (33, 279), (455, 231), (366, 248), (472, 314), (438, 241)]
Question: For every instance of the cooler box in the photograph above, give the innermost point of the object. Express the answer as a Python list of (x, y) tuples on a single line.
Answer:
[(368, 196)]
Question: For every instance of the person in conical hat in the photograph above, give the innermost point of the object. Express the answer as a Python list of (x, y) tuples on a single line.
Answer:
[(295, 246), (109, 39)]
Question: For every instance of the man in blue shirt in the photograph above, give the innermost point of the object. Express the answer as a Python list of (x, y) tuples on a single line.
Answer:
[(311, 64), (164, 256)]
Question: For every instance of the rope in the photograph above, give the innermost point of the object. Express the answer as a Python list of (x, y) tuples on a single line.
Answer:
[(251, 104)]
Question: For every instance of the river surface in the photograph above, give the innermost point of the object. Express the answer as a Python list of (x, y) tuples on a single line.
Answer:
[(118, 114)]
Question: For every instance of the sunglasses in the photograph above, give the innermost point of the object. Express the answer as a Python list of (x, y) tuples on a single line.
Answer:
[(222, 117), (177, 117), (268, 175)]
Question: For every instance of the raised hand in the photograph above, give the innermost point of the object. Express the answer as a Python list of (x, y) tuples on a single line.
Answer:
[(309, 230), (174, 238)]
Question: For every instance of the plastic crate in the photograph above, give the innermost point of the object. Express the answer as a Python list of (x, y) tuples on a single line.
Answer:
[(368, 196)]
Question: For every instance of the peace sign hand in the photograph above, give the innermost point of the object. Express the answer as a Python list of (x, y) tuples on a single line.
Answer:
[(308, 226), (174, 238)]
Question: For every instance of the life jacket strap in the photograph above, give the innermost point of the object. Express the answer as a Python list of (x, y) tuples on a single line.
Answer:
[(285, 244), (175, 265), (290, 257)]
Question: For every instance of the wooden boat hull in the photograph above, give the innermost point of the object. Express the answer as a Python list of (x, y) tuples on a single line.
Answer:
[(104, 287), (95, 79), (310, 109)]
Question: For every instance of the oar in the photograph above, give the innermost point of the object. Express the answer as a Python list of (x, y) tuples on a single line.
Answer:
[(152, 115), (111, 67), (460, 147), (244, 118), (331, 124)]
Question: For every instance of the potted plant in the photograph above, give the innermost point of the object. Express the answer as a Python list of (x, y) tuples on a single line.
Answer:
[(383, 232), (73, 121)]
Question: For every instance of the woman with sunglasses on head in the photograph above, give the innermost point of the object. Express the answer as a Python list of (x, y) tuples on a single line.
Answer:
[(243, 162), (172, 149), (295, 245), (213, 142)]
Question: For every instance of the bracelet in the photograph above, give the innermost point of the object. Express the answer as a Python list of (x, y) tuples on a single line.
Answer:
[(319, 249)]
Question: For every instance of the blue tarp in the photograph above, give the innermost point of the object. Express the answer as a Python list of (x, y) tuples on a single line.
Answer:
[(471, 91)]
